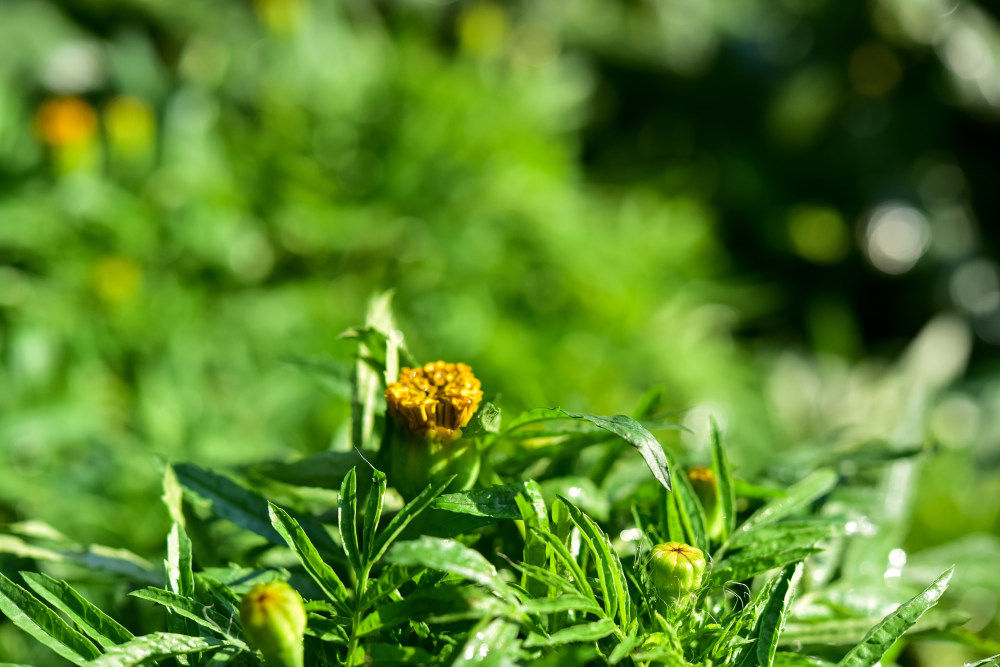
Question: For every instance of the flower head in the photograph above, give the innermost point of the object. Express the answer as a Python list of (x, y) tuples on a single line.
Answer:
[(435, 400), (65, 121), (676, 569), (274, 620)]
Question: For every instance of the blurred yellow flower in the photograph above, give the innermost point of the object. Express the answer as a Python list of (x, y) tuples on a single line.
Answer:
[(116, 278), (435, 400), (130, 124), (65, 121), (483, 28)]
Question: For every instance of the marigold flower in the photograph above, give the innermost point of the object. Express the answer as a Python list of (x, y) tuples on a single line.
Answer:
[(65, 121), (274, 620), (435, 400), (676, 569)]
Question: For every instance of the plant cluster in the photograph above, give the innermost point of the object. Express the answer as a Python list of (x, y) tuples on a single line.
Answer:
[(512, 552)]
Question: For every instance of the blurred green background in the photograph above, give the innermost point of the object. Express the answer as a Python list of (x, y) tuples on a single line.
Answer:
[(759, 204)]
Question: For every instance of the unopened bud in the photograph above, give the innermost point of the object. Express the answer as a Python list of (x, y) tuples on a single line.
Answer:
[(676, 569), (274, 620), (703, 483)]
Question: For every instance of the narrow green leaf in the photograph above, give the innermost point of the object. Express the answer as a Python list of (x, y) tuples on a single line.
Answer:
[(373, 512), (244, 507), (624, 648), (28, 613), (173, 495), (771, 620), (101, 627), (499, 501), (180, 576), (744, 565), (799, 495), (639, 437), (531, 505), (563, 555), (889, 629), (386, 584), (782, 535), (562, 603), (609, 567), (201, 614), (585, 632), (691, 513), (347, 518), (724, 481), (489, 643), (403, 518), (449, 556), (297, 540), (150, 648), (440, 604)]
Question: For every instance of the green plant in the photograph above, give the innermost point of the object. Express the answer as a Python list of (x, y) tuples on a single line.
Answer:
[(550, 559)]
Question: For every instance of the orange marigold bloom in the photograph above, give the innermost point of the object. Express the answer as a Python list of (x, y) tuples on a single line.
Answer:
[(65, 121), (435, 400)]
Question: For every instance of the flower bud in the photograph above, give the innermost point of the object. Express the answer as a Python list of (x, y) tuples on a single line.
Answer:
[(274, 620), (676, 569), (703, 482), (430, 405)]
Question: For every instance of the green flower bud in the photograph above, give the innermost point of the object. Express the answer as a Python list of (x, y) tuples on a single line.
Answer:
[(676, 569), (703, 482), (430, 406), (274, 620)]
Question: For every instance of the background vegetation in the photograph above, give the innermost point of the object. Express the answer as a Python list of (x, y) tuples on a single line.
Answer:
[(759, 205)]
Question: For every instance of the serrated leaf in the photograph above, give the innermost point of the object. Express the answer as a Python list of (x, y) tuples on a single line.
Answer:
[(203, 615), (639, 437), (26, 612), (892, 627), (771, 620), (449, 556), (498, 501), (297, 540), (153, 647), (585, 632), (91, 620), (486, 421), (724, 482)]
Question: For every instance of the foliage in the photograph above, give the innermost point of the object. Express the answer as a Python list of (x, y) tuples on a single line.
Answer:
[(516, 570)]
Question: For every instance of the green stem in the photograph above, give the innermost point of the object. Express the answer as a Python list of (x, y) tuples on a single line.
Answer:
[(360, 586)]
